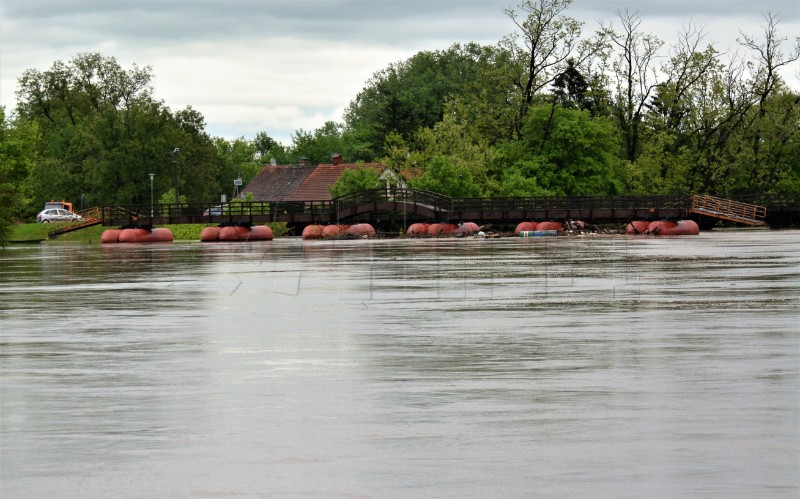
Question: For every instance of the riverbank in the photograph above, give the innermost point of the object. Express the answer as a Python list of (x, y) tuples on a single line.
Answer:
[(32, 233)]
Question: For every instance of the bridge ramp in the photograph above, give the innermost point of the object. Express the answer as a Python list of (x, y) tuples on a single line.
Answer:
[(727, 209)]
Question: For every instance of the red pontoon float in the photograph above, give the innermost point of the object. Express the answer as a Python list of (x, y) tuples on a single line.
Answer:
[(312, 232), (137, 235), (236, 233), (441, 229), (637, 227), (670, 228), (467, 228), (361, 230), (525, 226), (546, 226), (418, 229), (334, 230)]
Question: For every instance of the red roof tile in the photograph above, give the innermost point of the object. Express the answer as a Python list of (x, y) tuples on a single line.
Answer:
[(273, 183), (315, 186)]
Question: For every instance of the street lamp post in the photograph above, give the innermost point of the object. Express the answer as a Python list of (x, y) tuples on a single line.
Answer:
[(175, 153), (151, 194)]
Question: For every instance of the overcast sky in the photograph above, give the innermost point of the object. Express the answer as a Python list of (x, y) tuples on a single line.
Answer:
[(278, 65)]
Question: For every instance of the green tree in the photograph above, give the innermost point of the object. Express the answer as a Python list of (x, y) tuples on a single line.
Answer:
[(774, 121), (468, 155), (103, 133), (545, 40), (269, 149), (360, 178), (635, 80), (197, 165), (238, 158), (321, 145), (444, 176), (18, 142), (567, 152), (411, 94)]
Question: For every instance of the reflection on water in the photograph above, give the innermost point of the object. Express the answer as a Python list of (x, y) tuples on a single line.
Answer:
[(621, 367)]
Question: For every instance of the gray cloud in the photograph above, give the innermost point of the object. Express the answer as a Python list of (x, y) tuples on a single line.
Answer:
[(790, 9), (278, 65)]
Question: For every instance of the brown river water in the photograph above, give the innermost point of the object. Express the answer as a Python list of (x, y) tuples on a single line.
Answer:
[(541, 367)]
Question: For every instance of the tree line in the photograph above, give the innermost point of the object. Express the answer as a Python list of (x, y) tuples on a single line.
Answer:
[(548, 110)]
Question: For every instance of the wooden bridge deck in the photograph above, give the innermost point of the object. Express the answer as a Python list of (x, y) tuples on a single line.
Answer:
[(407, 206)]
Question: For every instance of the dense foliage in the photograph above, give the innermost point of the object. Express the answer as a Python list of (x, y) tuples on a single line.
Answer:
[(545, 111)]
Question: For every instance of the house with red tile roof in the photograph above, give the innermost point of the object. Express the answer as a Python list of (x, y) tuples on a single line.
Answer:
[(300, 182), (275, 182)]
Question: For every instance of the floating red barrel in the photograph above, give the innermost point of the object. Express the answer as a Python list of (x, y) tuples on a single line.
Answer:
[(361, 230), (333, 230), (525, 226), (236, 233), (233, 233), (637, 227), (557, 226), (418, 229), (671, 228), (312, 232), (110, 236), (467, 228), (210, 234), (441, 229), (137, 235)]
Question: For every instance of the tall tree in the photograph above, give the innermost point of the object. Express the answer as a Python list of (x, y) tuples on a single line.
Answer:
[(410, 94), (768, 126), (574, 155), (454, 147), (546, 39), (318, 147), (18, 142), (636, 76), (197, 167), (103, 133), (238, 159)]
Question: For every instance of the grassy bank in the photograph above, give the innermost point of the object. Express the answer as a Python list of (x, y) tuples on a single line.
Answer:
[(25, 233)]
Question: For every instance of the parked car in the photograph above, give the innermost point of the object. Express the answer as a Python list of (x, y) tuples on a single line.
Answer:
[(57, 215), (214, 211)]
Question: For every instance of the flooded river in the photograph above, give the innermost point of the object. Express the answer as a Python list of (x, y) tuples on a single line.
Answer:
[(542, 367)]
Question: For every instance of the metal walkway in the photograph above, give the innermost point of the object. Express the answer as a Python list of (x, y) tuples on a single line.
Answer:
[(727, 209), (91, 217)]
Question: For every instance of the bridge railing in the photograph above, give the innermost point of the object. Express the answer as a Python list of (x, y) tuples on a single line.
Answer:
[(412, 196), (728, 208), (571, 203), (322, 210), (231, 212)]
